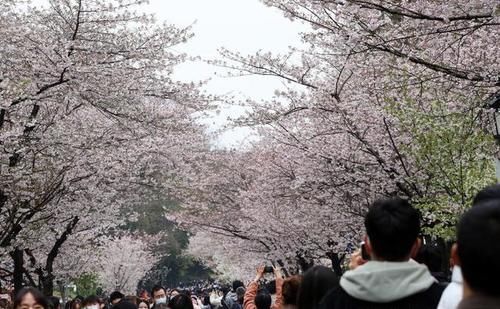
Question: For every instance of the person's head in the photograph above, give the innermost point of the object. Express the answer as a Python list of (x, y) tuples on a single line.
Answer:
[(30, 298), (131, 298), (115, 297), (206, 300), (392, 228), (430, 255), (237, 284), (144, 295), (54, 302), (142, 304), (263, 299), (477, 250), (181, 301), (174, 292), (487, 194), (76, 303), (91, 302), (159, 295), (290, 290), (240, 294), (316, 282)]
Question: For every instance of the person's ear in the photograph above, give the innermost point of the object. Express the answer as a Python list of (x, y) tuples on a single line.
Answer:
[(416, 247), (455, 259), (368, 246)]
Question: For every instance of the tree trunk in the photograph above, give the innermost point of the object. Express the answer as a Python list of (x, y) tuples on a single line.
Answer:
[(18, 258), (46, 275)]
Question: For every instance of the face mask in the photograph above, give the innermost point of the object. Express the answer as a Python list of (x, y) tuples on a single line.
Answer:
[(162, 300), (92, 307)]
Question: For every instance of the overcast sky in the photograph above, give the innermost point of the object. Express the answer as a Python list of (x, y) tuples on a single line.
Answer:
[(240, 25)]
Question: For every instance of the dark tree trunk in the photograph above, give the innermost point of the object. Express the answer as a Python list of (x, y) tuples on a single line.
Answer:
[(46, 275), (18, 258)]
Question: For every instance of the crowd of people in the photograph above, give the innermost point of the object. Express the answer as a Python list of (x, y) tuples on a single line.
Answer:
[(383, 273)]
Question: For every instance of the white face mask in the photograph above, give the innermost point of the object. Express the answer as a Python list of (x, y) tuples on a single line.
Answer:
[(162, 300), (92, 307)]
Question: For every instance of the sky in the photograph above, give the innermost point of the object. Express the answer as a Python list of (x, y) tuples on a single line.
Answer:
[(246, 26)]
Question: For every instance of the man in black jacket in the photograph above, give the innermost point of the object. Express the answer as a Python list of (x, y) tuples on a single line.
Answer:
[(390, 279)]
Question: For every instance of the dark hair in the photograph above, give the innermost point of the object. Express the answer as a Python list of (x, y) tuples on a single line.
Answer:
[(392, 226), (76, 301), (489, 193), (237, 284), (478, 241), (431, 256), (140, 300), (206, 301), (263, 299), (316, 282), (37, 295), (91, 300), (181, 301), (156, 288), (240, 294), (115, 295), (131, 298), (290, 290), (125, 304), (54, 302)]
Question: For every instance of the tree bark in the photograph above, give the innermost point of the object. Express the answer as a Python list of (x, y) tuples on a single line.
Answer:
[(18, 258), (46, 275)]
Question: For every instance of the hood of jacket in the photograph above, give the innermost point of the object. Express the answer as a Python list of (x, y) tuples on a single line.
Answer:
[(383, 282)]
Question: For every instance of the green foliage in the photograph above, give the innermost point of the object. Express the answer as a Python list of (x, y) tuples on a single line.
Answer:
[(87, 284), (451, 159), (173, 267)]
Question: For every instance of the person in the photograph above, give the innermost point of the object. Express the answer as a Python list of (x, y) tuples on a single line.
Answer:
[(76, 303), (115, 297), (431, 255), (477, 252), (290, 291), (159, 295), (206, 302), (5, 301), (453, 293), (240, 297), (181, 301), (196, 301), (390, 279), (91, 302), (316, 282), (261, 299), (54, 302), (216, 297), (231, 296), (142, 304), (173, 293), (30, 298)]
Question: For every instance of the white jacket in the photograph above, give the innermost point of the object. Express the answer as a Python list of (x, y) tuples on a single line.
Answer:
[(453, 293)]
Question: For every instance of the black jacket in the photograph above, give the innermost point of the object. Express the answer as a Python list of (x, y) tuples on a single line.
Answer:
[(339, 299)]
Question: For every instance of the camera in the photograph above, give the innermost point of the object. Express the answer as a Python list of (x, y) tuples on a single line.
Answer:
[(268, 269), (364, 254)]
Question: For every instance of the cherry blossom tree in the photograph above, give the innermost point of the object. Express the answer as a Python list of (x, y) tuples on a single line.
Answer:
[(90, 119), (124, 262), (387, 98)]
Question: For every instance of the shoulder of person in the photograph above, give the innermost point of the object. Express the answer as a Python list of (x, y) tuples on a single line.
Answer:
[(334, 298)]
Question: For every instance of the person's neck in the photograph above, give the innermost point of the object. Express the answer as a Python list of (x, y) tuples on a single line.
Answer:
[(470, 293), (378, 259)]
